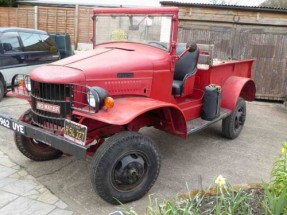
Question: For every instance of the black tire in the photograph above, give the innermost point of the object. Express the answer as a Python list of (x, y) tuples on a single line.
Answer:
[(2, 90), (34, 149), (233, 124), (125, 167)]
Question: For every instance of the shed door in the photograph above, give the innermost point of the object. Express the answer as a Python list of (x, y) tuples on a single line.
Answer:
[(267, 45)]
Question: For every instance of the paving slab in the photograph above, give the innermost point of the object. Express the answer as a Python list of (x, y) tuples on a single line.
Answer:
[(6, 198), (22, 194), (24, 205)]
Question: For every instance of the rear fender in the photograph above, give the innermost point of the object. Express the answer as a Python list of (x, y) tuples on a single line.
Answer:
[(235, 87), (136, 112)]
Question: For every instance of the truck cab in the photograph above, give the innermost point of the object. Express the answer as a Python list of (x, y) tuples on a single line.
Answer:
[(138, 75)]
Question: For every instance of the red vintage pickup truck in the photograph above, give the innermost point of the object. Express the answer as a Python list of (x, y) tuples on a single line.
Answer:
[(138, 75)]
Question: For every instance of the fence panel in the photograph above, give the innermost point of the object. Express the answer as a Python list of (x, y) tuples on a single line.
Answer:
[(17, 17), (57, 20)]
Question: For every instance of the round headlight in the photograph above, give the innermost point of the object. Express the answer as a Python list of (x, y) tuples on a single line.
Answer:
[(92, 98), (28, 83), (96, 97)]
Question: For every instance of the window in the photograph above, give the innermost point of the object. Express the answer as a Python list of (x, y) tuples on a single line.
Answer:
[(37, 42), (48, 43), (10, 41)]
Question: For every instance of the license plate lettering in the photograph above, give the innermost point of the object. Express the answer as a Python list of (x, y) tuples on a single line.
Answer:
[(75, 132), (4, 122), (19, 128), (12, 125)]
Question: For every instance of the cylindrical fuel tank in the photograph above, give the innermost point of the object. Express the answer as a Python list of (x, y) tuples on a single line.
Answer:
[(211, 102)]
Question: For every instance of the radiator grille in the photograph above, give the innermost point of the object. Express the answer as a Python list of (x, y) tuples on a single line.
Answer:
[(51, 103)]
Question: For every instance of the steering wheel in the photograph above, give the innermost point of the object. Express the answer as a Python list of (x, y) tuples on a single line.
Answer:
[(157, 44)]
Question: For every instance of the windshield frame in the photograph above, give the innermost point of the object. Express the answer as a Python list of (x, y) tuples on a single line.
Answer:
[(156, 10), (165, 46)]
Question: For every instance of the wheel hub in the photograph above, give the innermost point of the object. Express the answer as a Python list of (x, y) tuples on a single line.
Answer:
[(239, 118), (129, 171)]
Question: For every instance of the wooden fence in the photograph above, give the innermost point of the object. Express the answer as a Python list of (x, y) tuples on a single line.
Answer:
[(76, 21), (235, 34), (19, 17)]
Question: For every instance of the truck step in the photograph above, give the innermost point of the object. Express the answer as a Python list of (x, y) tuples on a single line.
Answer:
[(198, 124)]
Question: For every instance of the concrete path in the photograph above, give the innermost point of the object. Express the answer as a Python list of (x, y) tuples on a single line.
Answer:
[(22, 194), (195, 162)]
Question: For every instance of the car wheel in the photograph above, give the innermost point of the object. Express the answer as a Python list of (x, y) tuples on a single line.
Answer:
[(2, 90), (233, 124), (33, 149), (125, 167)]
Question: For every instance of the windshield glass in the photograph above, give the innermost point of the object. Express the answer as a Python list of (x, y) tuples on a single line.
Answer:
[(154, 30)]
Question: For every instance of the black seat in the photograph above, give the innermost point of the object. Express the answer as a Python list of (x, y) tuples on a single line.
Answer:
[(184, 67)]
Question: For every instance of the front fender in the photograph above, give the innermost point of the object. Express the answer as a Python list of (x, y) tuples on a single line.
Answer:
[(235, 87), (127, 109)]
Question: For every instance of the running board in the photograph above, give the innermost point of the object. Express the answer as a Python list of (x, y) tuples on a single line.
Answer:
[(198, 124)]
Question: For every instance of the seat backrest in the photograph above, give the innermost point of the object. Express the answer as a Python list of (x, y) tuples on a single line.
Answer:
[(186, 65)]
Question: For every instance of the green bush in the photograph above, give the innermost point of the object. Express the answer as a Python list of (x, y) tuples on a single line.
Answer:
[(275, 201)]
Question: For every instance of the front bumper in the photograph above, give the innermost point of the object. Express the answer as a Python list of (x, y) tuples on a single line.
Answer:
[(55, 141)]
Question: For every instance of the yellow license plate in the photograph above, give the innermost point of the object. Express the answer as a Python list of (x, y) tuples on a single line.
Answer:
[(75, 132)]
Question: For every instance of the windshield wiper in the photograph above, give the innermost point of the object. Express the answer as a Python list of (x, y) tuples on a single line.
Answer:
[(130, 50)]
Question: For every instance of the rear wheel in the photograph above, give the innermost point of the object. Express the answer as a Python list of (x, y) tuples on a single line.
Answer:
[(233, 124), (2, 92), (32, 148), (125, 167)]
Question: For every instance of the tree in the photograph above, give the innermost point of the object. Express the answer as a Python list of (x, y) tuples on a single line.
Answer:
[(7, 3), (274, 3), (226, 2)]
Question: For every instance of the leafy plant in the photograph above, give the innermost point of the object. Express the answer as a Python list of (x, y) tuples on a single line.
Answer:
[(279, 171), (230, 201), (275, 201)]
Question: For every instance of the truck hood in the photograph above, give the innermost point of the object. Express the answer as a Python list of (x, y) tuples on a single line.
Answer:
[(57, 74), (104, 62)]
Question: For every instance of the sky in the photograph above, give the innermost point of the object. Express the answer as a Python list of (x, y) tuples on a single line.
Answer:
[(151, 2), (236, 2)]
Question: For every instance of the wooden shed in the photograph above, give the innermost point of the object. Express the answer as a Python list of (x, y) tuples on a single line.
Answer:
[(240, 32)]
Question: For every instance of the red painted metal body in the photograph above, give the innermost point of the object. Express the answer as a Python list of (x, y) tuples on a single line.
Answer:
[(145, 99)]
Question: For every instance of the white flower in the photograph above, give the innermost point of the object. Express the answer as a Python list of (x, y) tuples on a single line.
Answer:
[(220, 180)]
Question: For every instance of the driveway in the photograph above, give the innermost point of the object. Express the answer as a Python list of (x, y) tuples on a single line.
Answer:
[(195, 162)]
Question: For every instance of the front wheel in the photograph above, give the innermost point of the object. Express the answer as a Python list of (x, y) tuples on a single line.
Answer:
[(33, 149), (125, 167), (233, 124)]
